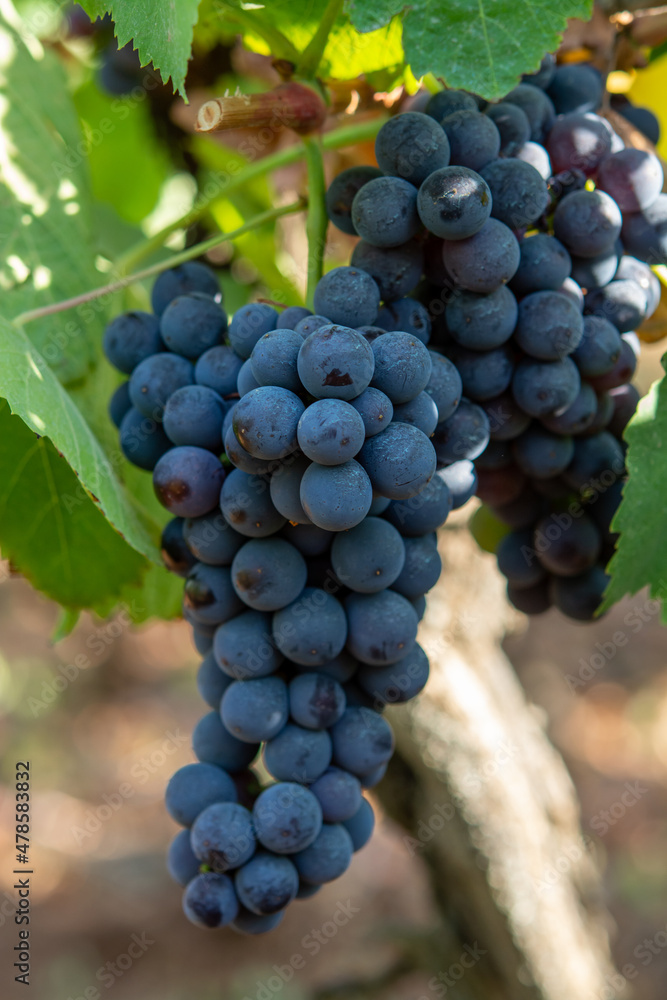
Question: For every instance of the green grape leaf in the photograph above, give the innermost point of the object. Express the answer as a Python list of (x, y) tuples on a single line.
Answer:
[(160, 30), (479, 45), (45, 225), (51, 530), (86, 484), (640, 559), (347, 54)]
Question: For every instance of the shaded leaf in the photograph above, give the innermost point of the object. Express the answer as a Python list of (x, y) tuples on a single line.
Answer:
[(640, 559)]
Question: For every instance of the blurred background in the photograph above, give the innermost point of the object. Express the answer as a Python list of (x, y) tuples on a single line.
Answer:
[(105, 715)]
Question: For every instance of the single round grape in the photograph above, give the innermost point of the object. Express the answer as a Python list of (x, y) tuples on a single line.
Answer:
[(596, 272), (421, 412), (255, 710), (544, 264), (484, 261), (579, 141), (336, 362), (209, 900), (395, 270), (631, 269), (297, 754), (193, 416), (549, 326), (213, 744), (375, 409), (411, 145), (222, 836), (246, 505), (330, 432), (268, 573), (579, 597), (266, 883), (421, 570), (402, 366), (632, 177), (474, 139), (209, 595), (265, 422), (183, 280), (176, 554), (482, 322), (131, 338), (464, 435), (454, 202), (336, 497), (287, 818), (567, 548), (399, 682), (340, 195), (362, 740), (154, 380), (187, 481), (542, 454), (246, 380), (587, 222), (484, 374), (291, 316), (576, 87), (545, 387), (598, 457), (512, 124), (317, 700), (642, 119), (327, 857), (423, 513), (249, 325), (368, 558), (519, 193), (211, 682), (408, 315), (192, 324), (218, 369), (599, 349), (142, 440), (193, 788), (339, 794), (243, 647), (384, 213), (625, 399), (274, 359), (399, 461), (530, 600), (211, 540), (312, 630), (382, 627), (622, 302)]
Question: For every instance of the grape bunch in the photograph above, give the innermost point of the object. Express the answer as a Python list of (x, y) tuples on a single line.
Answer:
[(294, 451), (534, 229), (479, 342)]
